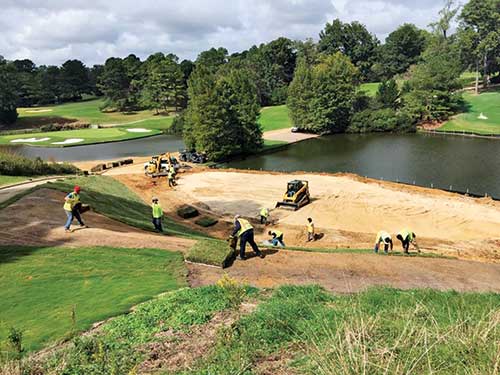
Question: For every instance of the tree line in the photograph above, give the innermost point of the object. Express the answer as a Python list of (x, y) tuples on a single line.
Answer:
[(219, 94)]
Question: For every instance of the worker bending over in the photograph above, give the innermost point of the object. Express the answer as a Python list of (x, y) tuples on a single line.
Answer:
[(264, 215), (244, 230), (157, 215), (71, 207), (310, 230), (386, 239), (277, 238), (406, 237), (171, 178)]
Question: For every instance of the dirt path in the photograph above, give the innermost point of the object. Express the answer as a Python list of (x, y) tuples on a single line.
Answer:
[(8, 192), (347, 273), (38, 219)]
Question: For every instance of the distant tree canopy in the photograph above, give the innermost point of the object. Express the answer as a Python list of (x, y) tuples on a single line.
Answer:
[(354, 41), (8, 97)]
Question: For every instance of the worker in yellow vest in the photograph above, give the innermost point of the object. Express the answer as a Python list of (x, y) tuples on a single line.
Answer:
[(264, 215), (277, 238), (244, 231), (386, 239), (157, 215), (407, 237), (71, 204), (310, 230)]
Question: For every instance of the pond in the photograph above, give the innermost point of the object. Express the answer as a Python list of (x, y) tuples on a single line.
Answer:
[(461, 163)]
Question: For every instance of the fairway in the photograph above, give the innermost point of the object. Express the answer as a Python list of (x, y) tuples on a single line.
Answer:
[(274, 118), (88, 111), (487, 104), (370, 88), (43, 285)]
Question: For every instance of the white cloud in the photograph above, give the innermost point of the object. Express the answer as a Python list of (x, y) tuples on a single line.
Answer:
[(52, 31)]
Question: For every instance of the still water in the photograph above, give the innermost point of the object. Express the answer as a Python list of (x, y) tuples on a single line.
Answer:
[(424, 159), (116, 150)]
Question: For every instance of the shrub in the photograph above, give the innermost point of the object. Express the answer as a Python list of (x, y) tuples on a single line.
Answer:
[(382, 120), (70, 126), (12, 164), (177, 125)]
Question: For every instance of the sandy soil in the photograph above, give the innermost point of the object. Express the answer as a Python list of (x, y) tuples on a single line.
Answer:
[(346, 209), (38, 220), (286, 135), (347, 273)]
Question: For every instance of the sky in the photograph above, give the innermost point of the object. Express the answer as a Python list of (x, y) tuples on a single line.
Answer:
[(53, 31)]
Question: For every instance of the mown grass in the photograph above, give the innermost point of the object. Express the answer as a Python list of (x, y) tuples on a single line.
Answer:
[(370, 88), (85, 110), (304, 329), (486, 103), (41, 287), (88, 136), (8, 180), (274, 118), (212, 252), (111, 198)]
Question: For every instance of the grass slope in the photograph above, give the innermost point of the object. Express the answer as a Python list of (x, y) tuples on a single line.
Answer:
[(8, 180), (275, 118), (487, 104), (85, 110), (40, 287), (304, 329), (111, 198)]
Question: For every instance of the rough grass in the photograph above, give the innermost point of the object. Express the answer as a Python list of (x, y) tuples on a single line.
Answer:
[(274, 118), (111, 198), (486, 103), (42, 286), (212, 252), (306, 330)]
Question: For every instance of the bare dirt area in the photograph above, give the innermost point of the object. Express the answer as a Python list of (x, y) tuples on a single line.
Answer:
[(286, 135), (347, 273), (347, 210), (38, 219)]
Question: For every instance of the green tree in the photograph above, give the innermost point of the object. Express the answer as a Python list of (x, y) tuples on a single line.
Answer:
[(74, 80), (8, 96), (114, 83), (27, 86), (480, 36), (49, 78), (434, 82), (353, 40), (221, 118), (402, 49), (388, 94), (213, 58), (300, 93), (447, 14), (163, 87)]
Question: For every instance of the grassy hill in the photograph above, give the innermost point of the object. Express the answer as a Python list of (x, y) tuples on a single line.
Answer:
[(488, 104)]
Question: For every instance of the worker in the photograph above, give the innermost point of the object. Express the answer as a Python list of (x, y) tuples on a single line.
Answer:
[(277, 238), (244, 230), (386, 239), (157, 215), (310, 230), (171, 169), (406, 237), (264, 215), (171, 179), (71, 204)]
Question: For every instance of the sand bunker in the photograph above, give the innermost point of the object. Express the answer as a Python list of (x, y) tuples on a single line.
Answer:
[(139, 130), (38, 110), (29, 140), (69, 141)]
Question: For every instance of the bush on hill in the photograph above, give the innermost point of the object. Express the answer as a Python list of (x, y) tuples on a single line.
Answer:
[(12, 164)]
